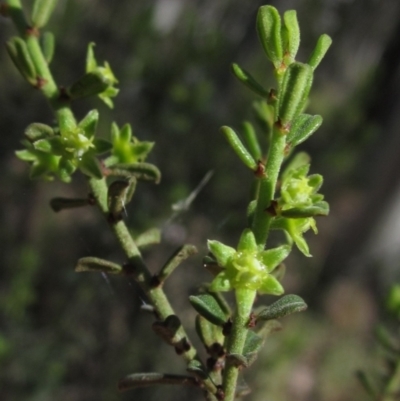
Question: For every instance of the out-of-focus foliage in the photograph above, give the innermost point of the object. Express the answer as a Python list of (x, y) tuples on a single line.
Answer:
[(66, 336)]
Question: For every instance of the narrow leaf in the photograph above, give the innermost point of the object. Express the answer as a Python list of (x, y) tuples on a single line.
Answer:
[(207, 306), (291, 35), (250, 137), (322, 46), (149, 237), (92, 264), (245, 78), (41, 12), (287, 305), (48, 46), (317, 209), (303, 126), (58, 204), (142, 171)]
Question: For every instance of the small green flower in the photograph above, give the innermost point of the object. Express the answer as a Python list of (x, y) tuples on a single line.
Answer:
[(248, 267), (106, 72), (295, 228), (126, 148)]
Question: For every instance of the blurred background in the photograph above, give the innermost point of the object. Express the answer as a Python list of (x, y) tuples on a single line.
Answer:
[(70, 336)]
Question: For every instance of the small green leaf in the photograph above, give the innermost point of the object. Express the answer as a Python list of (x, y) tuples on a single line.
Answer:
[(91, 84), (195, 367), (149, 237), (89, 123), (101, 145), (208, 333), (207, 306), (269, 32), (90, 166), (317, 209), (296, 85), (239, 148), (175, 260), (142, 171), (250, 137), (323, 44), (221, 283), (36, 131), (286, 305), (245, 78), (19, 54), (48, 45), (41, 12), (303, 126), (92, 264), (252, 346), (290, 36), (116, 197)]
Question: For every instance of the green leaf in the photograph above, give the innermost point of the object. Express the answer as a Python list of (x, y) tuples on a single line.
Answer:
[(237, 145), (209, 333), (89, 123), (90, 166), (36, 131), (195, 367), (91, 84), (252, 346), (175, 260), (149, 237), (19, 54), (250, 137), (303, 126), (41, 12), (323, 44), (92, 264), (290, 36), (317, 209), (245, 78), (296, 85), (207, 306), (48, 46), (269, 32), (221, 283), (102, 145), (142, 171), (285, 306)]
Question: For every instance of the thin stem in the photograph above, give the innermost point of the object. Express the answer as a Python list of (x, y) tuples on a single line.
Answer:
[(262, 218), (237, 338)]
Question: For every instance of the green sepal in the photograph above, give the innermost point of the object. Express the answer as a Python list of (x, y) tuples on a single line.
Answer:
[(273, 257), (322, 46), (208, 332), (269, 32), (245, 78), (290, 36), (19, 54), (136, 380), (91, 84), (252, 347), (271, 286), (303, 126), (141, 171), (237, 145), (296, 86), (92, 264), (316, 209), (149, 237), (251, 208), (58, 204), (247, 242), (175, 260), (251, 140), (101, 146), (285, 306), (221, 251), (65, 169), (208, 307), (90, 166), (48, 46), (36, 131), (41, 12)]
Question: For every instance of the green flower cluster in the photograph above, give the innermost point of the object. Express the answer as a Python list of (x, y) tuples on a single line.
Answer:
[(248, 267)]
